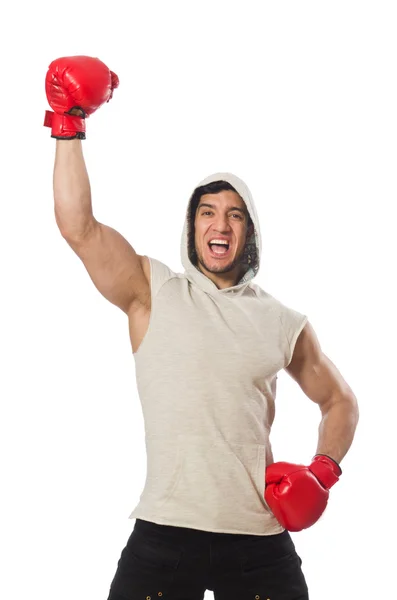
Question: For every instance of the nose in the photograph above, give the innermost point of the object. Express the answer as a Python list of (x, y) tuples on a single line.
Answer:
[(221, 224)]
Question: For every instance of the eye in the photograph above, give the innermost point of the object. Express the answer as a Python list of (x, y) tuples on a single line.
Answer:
[(209, 212)]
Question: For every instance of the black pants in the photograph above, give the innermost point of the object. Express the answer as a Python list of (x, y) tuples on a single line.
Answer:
[(161, 562)]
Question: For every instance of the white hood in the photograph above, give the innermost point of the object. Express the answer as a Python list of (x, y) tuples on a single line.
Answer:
[(253, 246)]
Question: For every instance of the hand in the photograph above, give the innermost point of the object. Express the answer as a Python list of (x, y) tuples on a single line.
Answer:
[(298, 495), (76, 86)]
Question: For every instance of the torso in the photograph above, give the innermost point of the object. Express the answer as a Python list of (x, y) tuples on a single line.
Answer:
[(138, 323), (139, 313)]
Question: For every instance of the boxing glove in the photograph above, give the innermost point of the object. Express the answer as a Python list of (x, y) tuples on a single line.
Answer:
[(298, 495), (76, 86)]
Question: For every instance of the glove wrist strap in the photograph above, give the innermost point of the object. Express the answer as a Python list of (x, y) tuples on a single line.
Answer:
[(65, 127), (326, 470)]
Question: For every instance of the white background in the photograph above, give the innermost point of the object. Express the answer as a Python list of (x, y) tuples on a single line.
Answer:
[(298, 99)]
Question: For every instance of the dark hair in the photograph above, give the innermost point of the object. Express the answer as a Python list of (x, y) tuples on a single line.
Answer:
[(210, 188)]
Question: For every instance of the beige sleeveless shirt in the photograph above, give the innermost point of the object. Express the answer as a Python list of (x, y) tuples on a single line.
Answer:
[(206, 375)]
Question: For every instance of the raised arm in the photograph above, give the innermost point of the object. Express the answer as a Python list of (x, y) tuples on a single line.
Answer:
[(120, 274)]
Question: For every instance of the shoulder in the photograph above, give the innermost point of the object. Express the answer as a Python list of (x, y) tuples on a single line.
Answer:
[(268, 299), (290, 318), (157, 273)]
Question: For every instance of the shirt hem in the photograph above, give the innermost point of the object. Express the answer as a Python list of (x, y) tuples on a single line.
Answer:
[(179, 523)]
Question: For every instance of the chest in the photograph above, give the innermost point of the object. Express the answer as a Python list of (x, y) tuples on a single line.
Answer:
[(241, 341)]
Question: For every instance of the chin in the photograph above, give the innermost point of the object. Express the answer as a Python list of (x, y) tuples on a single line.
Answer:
[(213, 266)]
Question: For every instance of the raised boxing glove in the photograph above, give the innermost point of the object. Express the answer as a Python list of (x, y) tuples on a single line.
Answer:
[(298, 495), (76, 86)]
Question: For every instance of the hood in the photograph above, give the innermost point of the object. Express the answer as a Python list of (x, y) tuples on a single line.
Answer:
[(253, 246)]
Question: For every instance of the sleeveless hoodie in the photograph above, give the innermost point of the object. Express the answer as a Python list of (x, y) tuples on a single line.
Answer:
[(206, 375)]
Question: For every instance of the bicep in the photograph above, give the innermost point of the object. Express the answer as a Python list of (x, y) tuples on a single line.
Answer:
[(315, 373), (117, 271)]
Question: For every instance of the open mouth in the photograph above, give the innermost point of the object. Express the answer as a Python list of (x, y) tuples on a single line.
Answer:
[(219, 250)]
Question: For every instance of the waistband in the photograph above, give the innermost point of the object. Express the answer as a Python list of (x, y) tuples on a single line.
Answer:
[(279, 541)]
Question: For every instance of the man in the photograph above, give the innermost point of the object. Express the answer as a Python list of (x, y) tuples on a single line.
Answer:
[(208, 345)]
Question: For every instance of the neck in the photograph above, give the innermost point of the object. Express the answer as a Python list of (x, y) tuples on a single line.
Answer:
[(222, 280)]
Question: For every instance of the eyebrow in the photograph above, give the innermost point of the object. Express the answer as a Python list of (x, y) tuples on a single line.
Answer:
[(230, 208)]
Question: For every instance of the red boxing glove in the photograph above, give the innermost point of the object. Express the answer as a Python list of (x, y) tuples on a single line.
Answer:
[(76, 82), (298, 495)]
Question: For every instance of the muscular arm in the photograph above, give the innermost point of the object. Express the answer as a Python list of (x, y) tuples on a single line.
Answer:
[(117, 271), (72, 192), (321, 381)]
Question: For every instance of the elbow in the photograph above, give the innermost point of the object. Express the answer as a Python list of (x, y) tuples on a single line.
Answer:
[(77, 230), (347, 403), (352, 410), (353, 403)]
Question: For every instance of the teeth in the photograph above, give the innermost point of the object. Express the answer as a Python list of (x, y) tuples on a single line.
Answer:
[(219, 242)]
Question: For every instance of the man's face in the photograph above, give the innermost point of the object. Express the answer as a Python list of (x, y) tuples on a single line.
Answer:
[(221, 216)]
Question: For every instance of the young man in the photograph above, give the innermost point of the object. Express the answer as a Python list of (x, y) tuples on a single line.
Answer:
[(216, 511)]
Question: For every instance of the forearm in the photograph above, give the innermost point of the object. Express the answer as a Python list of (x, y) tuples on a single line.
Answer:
[(72, 193), (337, 427)]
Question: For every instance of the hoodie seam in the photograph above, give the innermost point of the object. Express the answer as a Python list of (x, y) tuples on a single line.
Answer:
[(252, 287)]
